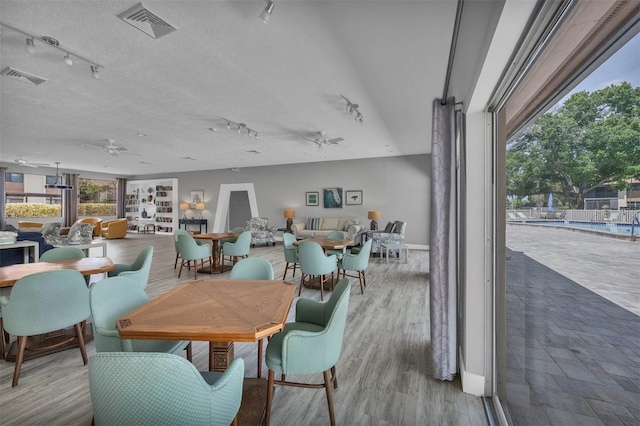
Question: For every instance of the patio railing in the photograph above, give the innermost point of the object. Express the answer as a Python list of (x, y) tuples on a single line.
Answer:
[(614, 216)]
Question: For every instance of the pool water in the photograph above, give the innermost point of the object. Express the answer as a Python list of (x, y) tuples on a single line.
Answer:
[(611, 228)]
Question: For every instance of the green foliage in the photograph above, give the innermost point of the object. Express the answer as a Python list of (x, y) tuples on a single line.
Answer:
[(591, 140), (28, 210)]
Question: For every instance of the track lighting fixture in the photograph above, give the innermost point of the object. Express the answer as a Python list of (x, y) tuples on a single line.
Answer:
[(352, 109), (30, 47), (241, 127), (265, 15)]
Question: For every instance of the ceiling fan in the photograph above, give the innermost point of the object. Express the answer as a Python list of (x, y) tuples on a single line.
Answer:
[(322, 141), (111, 148), (24, 163)]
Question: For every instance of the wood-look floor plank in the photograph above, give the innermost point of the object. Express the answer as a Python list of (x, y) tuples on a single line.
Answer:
[(383, 372)]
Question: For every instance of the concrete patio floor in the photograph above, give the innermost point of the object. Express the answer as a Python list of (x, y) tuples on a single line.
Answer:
[(573, 328)]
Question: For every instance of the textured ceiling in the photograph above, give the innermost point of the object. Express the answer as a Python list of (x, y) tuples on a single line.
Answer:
[(283, 80)]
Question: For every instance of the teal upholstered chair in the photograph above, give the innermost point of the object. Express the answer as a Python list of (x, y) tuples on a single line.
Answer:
[(190, 250), (238, 249), (114, 297), (236, 230), (312, 344), (62, 253), (162, 389), (175, 243), (253, 268), (357, 263), (290, 253), (44, 302), (341, 235), (313, 262), (139, 270)]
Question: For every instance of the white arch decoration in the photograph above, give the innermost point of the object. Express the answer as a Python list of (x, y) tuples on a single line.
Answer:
[(224, 196)]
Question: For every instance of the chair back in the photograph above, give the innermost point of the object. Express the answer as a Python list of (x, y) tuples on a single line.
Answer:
[(360, 261), (240, 248), (152, 389), (337, 234), (190, 250), (110, 299), (46, 301), (62, 253), (252, 268), (236, 230), (175, 238), (140, 269), (290, 251), (313, 260)]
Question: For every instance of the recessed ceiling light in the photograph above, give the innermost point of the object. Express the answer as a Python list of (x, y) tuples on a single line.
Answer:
[(141, 134)]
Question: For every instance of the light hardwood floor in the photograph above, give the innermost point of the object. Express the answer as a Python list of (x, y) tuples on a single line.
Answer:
[(383, 371)]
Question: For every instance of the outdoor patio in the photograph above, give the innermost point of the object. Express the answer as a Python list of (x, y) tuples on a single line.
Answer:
[(573, 321)]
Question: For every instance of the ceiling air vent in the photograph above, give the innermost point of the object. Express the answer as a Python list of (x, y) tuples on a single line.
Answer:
[(147, 21), (25, 77)]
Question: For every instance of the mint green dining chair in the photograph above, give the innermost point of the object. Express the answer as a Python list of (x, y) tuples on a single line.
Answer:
[(114, 297), (62, 253), (139, 270), (190, 250), (341, 235), (253, 268), (310, 345), (162, 389), (290, 253), (42, 303), (356, 263), (175, 243), (236, 230), (239, 249), (313, 262)]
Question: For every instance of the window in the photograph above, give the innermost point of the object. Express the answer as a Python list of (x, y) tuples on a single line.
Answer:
[(14, 177)]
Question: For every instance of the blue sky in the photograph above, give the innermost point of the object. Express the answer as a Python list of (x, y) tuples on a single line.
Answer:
[(624, 65)]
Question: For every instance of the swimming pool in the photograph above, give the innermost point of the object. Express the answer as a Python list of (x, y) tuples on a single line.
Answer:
[(599, 227)]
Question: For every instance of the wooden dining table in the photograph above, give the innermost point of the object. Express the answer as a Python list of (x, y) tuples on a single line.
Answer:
[(59, 340), (220, 312), (86, 266), (328, 243), (215, 249)]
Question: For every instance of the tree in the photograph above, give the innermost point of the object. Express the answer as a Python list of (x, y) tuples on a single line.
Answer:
[(593, 139)]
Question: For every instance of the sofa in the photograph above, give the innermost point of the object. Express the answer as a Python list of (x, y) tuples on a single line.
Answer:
[(115, 228), (322, 226)]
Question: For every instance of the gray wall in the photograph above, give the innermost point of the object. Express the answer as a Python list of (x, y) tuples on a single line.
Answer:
[(397, 186)]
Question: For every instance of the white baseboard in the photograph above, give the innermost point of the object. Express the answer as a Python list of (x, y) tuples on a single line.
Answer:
[(471, 383), (417, 246)]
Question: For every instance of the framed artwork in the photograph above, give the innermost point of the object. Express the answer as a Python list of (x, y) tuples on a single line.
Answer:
[(312, 199), (196, 197), (332, 198), (352, 197)]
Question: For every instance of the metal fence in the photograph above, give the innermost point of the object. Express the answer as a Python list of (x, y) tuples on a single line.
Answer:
[(614, 216)]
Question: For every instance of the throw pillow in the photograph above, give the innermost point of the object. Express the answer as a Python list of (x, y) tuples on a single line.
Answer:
[(389, 227), (348, 225), (313, 223)]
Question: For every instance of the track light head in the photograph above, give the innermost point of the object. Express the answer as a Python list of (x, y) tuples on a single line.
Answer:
[(30, 47), (68, 60), (256, 136), (94, 72), (228, 125), (265, 15)]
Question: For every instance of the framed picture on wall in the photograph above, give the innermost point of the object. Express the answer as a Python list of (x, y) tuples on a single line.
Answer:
[(332, 198), (352, 197), (196, 197), (313, 199)]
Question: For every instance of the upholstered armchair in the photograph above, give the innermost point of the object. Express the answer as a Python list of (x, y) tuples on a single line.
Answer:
[(115, 228), (393, 234), (260, 230), (80, 233), (95, 221), (162, 389)]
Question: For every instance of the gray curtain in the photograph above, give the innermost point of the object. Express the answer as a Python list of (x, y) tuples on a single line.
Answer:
[(442, 253), (121, 192), (70, 200), (3, 198)]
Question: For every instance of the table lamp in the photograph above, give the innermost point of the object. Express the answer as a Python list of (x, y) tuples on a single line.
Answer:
[(289, 214), (375, 216), (184, 207), (200, 207)]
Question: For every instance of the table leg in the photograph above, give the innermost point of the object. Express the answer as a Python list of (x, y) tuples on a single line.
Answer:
[(216, 254), (220, 355)]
